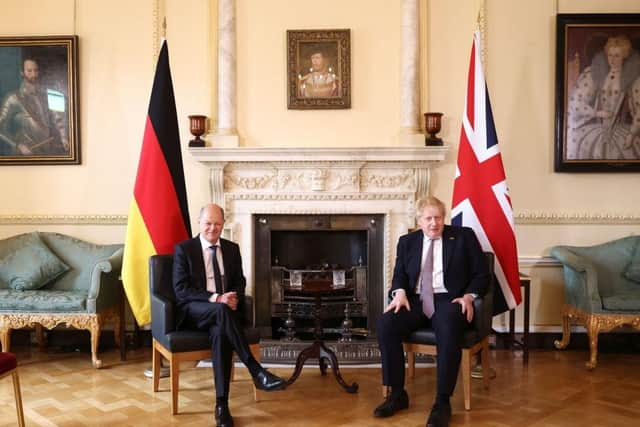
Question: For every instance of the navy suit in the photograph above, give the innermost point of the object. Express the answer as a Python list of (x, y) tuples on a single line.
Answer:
[(195, 310), (464, 271)]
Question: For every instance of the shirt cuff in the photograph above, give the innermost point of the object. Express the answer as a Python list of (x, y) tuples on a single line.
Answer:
[(394, 293), (473, 295), (214, 297)]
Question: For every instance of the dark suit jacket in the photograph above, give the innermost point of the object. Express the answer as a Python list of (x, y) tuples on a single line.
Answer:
[(189, 274), (464, 265)]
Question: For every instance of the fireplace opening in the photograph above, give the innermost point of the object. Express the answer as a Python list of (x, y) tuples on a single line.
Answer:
[(342, 251)]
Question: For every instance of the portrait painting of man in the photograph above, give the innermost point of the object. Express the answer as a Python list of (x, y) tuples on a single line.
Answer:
[(318, 69), (37, 102)]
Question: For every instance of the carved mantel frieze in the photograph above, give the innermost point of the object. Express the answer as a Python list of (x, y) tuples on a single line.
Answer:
[(371, 170)]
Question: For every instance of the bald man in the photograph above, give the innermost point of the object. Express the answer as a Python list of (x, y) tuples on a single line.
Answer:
[(209, 287)]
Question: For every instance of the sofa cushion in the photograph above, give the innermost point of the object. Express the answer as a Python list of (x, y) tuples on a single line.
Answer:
[(632, 272), (623, 301), (31, 265), (39, 301)]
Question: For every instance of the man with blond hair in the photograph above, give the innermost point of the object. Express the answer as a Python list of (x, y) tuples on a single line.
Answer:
[(440, 269)]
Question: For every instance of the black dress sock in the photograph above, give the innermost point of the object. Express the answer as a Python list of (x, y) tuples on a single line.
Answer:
[(442, 399), (395, 392)]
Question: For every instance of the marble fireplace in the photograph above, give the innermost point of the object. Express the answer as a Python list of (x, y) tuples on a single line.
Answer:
[(379, 185)]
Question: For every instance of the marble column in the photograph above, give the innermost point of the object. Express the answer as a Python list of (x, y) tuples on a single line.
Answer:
[(226, 133), (227, 67), (410, 68)]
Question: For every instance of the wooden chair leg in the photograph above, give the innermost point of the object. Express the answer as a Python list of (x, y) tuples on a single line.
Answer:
[(411, 364), (156, 359), (466, 377), (95, 327), (18, 397), (5, 339), (174, 373), (232, 377), (486, 364), (385, 391)]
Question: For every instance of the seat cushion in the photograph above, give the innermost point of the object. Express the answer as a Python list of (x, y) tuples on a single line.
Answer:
[(37, 301), (428, 337), (628, 300), (31, 265), (7, 362), (191, 340), (179, 341)]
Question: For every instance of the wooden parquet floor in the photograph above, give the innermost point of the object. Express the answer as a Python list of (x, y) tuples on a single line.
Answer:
[(554, 390)]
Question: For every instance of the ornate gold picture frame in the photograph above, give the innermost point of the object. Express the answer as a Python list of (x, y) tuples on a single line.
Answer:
[(39, 122), (318, 69)]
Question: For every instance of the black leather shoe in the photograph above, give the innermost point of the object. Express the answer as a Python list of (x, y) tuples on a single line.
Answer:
[(392, 405), (223, 416), (440, 415), (265, 380)]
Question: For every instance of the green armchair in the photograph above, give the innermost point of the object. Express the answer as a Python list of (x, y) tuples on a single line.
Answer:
[(602, 288)]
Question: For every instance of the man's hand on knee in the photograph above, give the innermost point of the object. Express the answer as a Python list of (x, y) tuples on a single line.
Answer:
[(399, 300), (466, 302)]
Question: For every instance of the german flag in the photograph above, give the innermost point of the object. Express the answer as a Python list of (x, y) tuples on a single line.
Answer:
[(158, 215)]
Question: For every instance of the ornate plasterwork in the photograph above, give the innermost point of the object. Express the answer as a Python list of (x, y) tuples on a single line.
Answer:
[(90, 321), (577, 218), (594, 323), (234, 181), (19, 219), (388, 180)]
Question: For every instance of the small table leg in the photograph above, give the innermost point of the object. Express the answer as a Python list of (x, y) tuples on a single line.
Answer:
[(321, 352)]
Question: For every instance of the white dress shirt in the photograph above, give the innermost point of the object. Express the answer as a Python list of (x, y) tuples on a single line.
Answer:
[(438, 276)]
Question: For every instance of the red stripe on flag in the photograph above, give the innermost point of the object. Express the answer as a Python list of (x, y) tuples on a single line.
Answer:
[(470, 84), (156, 197)]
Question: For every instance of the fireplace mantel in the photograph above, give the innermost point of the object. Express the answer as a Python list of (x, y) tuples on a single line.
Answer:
[(385, 181), (209, 155)]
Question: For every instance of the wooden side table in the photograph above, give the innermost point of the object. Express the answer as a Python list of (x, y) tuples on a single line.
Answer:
[(525, 282), (318, 349)]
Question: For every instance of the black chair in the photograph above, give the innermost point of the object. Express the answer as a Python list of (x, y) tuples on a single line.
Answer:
[(475, 339), (180, 345)]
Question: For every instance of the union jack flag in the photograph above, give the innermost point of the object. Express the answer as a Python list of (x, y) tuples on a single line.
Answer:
[(480, 193)]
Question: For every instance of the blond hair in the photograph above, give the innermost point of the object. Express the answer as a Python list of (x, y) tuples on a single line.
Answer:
[(422, 203)]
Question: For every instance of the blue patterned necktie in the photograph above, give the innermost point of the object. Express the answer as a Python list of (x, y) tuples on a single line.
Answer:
[(426, 286)]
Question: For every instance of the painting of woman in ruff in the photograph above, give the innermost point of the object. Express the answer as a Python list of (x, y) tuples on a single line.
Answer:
[(604, 105)]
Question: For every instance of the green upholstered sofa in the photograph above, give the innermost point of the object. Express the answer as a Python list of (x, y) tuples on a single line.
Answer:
[(47, 279), (602, 288)]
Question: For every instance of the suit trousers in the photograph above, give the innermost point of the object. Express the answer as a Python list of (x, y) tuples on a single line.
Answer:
[(226, 334), (449, 325)]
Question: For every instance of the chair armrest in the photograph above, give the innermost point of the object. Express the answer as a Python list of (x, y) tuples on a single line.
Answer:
[(580, 279), (482, 317), (247, 311), (162, 316), (104, 289)]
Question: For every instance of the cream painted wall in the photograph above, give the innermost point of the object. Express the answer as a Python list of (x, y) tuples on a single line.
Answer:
[(118, 42)]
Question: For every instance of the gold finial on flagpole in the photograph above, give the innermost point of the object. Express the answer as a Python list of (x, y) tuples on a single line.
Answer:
[(164, 27)]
